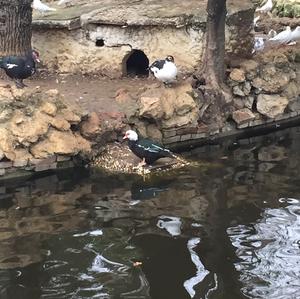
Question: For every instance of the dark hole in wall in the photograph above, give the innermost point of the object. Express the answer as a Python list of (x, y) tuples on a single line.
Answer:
[(100, 42), (137, 64)]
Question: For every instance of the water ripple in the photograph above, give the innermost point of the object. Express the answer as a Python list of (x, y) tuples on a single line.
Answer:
[(269, 253)]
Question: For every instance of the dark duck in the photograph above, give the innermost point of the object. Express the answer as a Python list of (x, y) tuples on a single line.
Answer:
[(146, 149), (164, 70), (19, 68)]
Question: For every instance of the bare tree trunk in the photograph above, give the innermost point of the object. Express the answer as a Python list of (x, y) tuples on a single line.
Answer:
[(215, 42), (213, 93), (15, 27)]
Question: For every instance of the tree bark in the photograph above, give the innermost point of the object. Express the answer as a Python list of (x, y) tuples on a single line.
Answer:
[(15, 27), (215, 42), (209, 80)]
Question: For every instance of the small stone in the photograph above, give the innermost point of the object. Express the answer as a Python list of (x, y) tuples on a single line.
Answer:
[(247, 88), (249, 102), (243, 116), (238, 91), (60, 124), (49, 108), (237, 75)]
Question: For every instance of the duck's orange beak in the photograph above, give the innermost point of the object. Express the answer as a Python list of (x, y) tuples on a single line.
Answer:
[(125, 137)]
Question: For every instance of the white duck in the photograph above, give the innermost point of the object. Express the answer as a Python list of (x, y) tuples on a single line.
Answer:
[(266, 8), (41, 7), (164, 70), (295, 35), (283, 37)]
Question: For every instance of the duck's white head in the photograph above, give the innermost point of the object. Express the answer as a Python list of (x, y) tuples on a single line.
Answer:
[(170, 58), (131, 135)]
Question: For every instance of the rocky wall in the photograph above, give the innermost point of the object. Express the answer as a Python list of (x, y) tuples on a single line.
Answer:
[(38, 131)]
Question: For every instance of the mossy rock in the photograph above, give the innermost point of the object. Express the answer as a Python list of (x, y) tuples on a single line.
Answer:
[(287, 8)]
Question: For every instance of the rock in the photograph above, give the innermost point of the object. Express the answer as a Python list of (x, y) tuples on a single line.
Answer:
[(271, 105), (22, 157), (294, 105), (60, 124), (151, 108), (238, 103), (70, 116), (238, 91), (242, 116), (7, 144), (28, 129), (63, 143), (1, 155), (246, 88), (237, 75), (91, 127), (249, 102), (271, 80), (250, 67), (292, 90), (154, 133), (49, 108)]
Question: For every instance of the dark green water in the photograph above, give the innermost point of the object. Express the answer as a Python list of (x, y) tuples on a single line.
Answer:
[(227, 228)]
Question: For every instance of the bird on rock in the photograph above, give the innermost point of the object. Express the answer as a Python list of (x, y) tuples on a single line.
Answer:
[(41, 7), (266, 8), (146, 149), (283, 37), (295, 35), (20, 67), (164, 70)]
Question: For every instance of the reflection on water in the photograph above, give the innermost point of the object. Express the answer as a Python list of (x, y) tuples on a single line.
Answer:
[(268, 252), (228, 228)]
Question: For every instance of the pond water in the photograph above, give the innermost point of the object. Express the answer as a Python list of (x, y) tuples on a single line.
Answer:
[(227, 227)]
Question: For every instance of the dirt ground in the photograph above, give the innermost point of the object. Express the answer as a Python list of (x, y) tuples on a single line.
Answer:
[(87, 92)]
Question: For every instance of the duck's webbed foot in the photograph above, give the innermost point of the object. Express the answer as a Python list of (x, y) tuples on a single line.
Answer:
[(19, 83), (142, 163)]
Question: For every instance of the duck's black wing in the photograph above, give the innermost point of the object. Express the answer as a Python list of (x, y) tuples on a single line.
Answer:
[(152, 151), (158, 64)]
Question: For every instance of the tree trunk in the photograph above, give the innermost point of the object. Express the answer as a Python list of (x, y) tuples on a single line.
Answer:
[(215, 43), (213, 93), (15, 27)]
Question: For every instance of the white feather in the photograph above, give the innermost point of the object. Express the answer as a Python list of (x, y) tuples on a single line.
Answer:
[(265, 8), (38, 5), (11, 65), (282, 37), (167, 73)]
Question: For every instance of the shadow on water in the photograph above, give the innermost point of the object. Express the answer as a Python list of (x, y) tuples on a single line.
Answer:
[(226, 228)]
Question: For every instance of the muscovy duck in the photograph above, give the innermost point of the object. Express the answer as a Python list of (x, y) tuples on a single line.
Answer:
[(164, 70), (20, 67), (146, 149)]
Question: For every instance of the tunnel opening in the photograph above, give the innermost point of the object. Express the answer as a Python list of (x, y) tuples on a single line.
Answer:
[(137, 64)]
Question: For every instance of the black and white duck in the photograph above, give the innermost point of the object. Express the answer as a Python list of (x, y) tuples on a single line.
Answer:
[(146, 149), (19, 68), (164, 70)]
